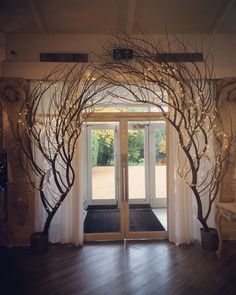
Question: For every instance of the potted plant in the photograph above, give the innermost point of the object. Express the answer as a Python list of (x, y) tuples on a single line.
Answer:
[(48, 129)]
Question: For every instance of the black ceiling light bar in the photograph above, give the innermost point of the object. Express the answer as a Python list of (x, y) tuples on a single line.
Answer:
[(126, 53), (180, 57), (64, 57), (122, 53)]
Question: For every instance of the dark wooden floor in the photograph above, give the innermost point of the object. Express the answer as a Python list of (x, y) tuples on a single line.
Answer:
[(137, 267)]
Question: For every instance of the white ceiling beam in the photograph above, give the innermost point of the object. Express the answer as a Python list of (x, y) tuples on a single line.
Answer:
[(220, 16), (37, 16), (130, 16)]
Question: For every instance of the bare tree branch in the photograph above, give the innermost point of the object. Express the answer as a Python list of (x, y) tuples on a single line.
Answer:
[(186, 90)]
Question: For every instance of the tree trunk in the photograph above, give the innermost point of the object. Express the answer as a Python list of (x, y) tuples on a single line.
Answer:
[(48, 221), (204, 224)]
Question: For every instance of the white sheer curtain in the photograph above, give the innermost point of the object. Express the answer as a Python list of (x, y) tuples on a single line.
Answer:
[(180, 212)]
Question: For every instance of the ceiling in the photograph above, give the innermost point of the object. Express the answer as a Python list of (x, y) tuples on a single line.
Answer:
[(113, 16)]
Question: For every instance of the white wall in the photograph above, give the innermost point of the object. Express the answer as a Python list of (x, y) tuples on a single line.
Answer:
[(28, 46), (25, 61)]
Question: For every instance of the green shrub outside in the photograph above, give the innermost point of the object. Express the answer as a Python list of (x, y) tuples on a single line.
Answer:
[(103, 147)]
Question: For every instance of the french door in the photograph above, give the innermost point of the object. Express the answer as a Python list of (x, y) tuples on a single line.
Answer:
[(126, 178)]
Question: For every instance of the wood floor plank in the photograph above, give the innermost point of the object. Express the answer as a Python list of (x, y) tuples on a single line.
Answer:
[(136, 267)]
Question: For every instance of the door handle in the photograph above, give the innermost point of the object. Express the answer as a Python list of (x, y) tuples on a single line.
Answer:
[(125, 179)]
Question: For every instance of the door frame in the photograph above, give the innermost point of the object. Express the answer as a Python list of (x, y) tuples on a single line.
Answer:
[(123, 119), (145, 200)]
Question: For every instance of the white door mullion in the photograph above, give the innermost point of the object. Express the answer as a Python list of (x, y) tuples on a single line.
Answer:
[(117, 164), (89, 165)]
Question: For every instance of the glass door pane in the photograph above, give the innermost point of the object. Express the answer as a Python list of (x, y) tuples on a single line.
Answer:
[(160, 160), (136, 162), (159, 137), (159, 191), (103, 164)]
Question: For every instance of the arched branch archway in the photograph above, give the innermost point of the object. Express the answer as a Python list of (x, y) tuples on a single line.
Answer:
[(51, 118)]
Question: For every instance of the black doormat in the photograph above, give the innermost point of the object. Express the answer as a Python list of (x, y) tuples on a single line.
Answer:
[(101, 207), (139, 206), (144, 220), (131, 206), (101, 221)]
